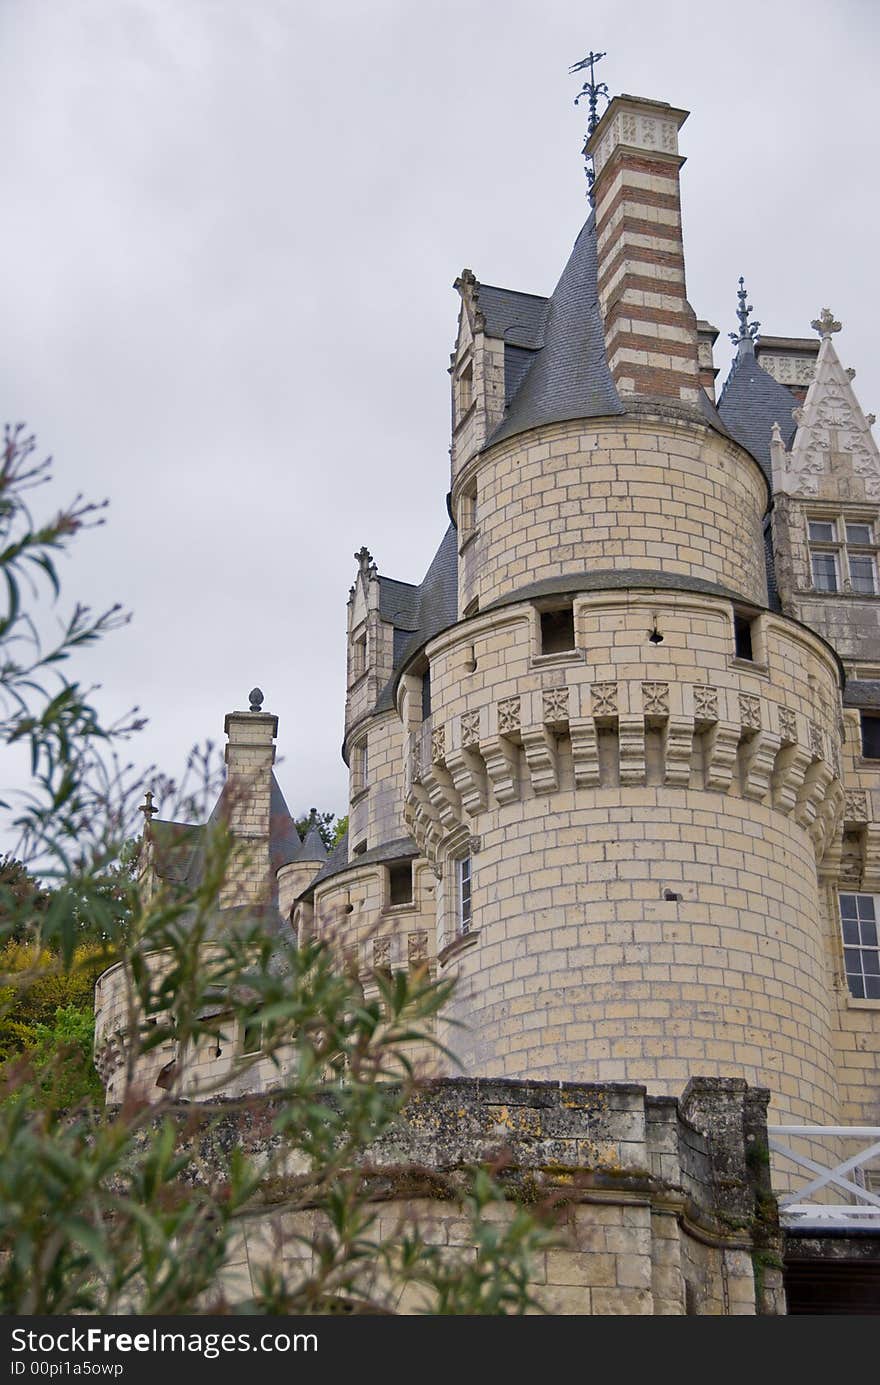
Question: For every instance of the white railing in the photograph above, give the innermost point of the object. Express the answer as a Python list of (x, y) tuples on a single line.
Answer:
[(804, 1205)]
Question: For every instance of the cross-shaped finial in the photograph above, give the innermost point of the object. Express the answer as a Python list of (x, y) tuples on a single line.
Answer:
[(825, 323), (148, 807)]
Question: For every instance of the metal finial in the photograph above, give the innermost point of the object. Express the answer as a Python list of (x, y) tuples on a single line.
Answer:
[(592, 90), (148, 807), (255, 697), (748, 331), (826, 323)]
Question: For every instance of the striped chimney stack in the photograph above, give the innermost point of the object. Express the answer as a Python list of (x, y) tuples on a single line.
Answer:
[(650, 328)]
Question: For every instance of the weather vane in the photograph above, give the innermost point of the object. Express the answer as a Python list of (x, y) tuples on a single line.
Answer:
[(592, 90), (748, 331)]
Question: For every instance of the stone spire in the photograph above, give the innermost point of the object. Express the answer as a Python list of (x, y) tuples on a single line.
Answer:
[(833, 454)]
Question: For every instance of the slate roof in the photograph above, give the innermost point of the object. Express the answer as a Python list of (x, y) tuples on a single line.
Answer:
[(614, 579), (399, 603), (751, 402), (569, 377), (179, 847), (517, 318), (435, 608), (862, 692), (401, 849)]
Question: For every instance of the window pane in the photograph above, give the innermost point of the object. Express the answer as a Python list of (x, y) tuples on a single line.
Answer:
[(822, 530), (853, 961), (865, 906), (861, 571), (870, 737), (848, 906), (464, 894), (859, 533), (856, 987), (851, 932), (872, 987), (869, 933), (871, 962), (824, 572)]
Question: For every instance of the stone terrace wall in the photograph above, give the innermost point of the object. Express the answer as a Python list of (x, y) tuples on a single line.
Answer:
[(663, 1207)]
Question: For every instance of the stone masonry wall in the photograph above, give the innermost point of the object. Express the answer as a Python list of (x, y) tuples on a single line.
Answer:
[(644, 822), (640, 493), (660, 1206)]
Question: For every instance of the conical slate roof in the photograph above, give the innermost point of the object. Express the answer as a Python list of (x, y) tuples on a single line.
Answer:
[(569, 377), (752, 401)]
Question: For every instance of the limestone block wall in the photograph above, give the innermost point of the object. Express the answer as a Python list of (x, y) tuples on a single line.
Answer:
[(644, 821), (857, 860), (210, 1067), (353, 911), (376, 804), (643, 492), (660, 1204)]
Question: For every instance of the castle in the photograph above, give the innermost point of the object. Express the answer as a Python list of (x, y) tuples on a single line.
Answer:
[(614, 761)]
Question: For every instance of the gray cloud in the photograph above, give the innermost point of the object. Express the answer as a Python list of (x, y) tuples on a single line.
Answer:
[(230, 233)]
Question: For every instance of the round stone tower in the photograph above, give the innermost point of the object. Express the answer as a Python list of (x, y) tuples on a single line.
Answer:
[(627, 774)]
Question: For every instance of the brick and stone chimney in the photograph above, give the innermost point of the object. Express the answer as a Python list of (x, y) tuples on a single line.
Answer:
[(650, 328), (250, 754)]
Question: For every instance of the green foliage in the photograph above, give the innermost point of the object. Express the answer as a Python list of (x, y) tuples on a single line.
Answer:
[(330, 828), (36, 983), (120, 1210), (62, 1074)]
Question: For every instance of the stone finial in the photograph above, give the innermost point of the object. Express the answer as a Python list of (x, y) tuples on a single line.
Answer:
[(748, 331), (775, 433), (825, 323), (870, 419), (255, 697), (148, 807), (366, 566)]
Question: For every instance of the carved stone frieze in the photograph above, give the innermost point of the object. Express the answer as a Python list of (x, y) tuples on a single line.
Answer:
[(438, 745), (705, 702), (787, 726), (855, 806), (470, 728), (555, 706), (655, 699), (508, 715), (604, 699), (750, 711)]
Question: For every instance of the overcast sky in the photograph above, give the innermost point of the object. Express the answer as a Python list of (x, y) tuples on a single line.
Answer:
[(229, 237)]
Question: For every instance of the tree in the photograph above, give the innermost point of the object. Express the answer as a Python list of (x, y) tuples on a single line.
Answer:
[(330, 827), (110, 1211)]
